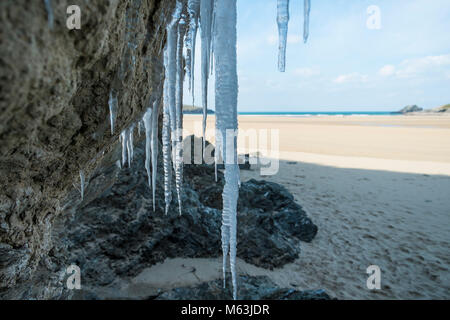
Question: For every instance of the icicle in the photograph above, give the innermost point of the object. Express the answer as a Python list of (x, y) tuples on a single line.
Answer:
[(178, 111), (206, 10), (82, 182), (307, 9), (154, 147), (50, 17), (130, 145), (188, 58), (171, 72), (166, 137), (226, 120), (124, 139), (283, 21), (213, 24), (194, 12), (139, 128), (148, 127), (113, 107)]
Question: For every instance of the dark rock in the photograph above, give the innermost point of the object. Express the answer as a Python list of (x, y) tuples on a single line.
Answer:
[(195, 110), (249, 288), (118, 233), (409, 109)]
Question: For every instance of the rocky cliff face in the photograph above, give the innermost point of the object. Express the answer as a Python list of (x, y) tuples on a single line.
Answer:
[(54, 90)]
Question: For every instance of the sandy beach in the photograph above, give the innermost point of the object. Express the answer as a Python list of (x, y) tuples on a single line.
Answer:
[(378, 189)]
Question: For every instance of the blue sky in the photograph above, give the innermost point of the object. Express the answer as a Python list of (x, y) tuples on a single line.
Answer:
[(345, 66)]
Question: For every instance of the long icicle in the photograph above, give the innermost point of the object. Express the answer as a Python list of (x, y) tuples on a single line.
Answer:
[(226, 123), (123, 139), (166, 137), (148, 150), (206, 10), (306, 11), (282, 21), (179, 110), (194, 12), (113, 107), (171, 73), (154, 147)]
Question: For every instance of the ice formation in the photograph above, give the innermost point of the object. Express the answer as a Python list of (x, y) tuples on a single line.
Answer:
[(179, 110), (126, 138), (113, 107), (283, 22), (166, 138), (307, 10), (148, 136), (154, 148), (217, 21), (194, 13), (82, 182), (49, 9), (226, 124), (206, 11), (130, 145), (150, 120)]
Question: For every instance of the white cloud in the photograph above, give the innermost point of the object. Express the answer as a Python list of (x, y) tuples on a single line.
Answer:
[(430, 64), (387, 70), (354, 77)]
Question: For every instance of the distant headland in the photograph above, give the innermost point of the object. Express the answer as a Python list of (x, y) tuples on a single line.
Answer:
[(195, 110)]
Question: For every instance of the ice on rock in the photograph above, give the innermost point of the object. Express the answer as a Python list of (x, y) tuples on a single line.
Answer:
[(82, 184), (126, 137), (148, 129), (283, 22), (150, 120), (123, 139), (130, 145), (206, 12), (154, 148), (113, 107), (50, 16), (226, 124), (307, 9)]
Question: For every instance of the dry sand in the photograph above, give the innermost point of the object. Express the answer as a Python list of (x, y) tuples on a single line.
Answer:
[(379, 190)]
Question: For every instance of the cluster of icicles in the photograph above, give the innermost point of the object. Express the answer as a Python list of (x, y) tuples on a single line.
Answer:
[(216, 20)]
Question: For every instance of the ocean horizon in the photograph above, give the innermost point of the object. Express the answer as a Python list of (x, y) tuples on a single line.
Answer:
[(317, 113)]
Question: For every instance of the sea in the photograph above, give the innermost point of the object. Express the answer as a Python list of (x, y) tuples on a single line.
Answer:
[(320, 113)]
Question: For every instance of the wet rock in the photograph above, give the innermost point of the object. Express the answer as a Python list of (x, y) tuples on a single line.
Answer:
[(249, 288), (118, 234)]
